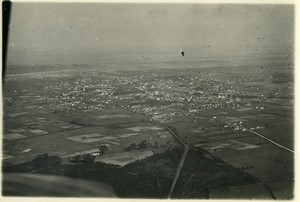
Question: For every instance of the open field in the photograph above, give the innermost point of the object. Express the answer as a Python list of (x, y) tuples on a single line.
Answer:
[(70, 111)]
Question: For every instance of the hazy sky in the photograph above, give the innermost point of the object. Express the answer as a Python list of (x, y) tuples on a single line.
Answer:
[(88, 28)]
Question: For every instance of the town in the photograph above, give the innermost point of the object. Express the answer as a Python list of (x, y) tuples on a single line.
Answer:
[(121, 118)]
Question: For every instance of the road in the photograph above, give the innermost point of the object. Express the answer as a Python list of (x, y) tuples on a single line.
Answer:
[(269, 140), (182, 160)]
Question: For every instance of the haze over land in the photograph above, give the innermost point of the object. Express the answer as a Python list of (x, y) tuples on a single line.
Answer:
[(102, 93), (82, 33)]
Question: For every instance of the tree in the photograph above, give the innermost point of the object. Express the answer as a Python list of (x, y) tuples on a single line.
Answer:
[(143, 145), (103, 149), (44, 160), (76, 159), (88, 158), (131, 147), (156, 144)]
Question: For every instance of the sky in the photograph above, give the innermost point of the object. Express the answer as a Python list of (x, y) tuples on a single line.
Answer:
[(72, 29)]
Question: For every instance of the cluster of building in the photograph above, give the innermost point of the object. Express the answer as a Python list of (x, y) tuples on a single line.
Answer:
[(160, 96)]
